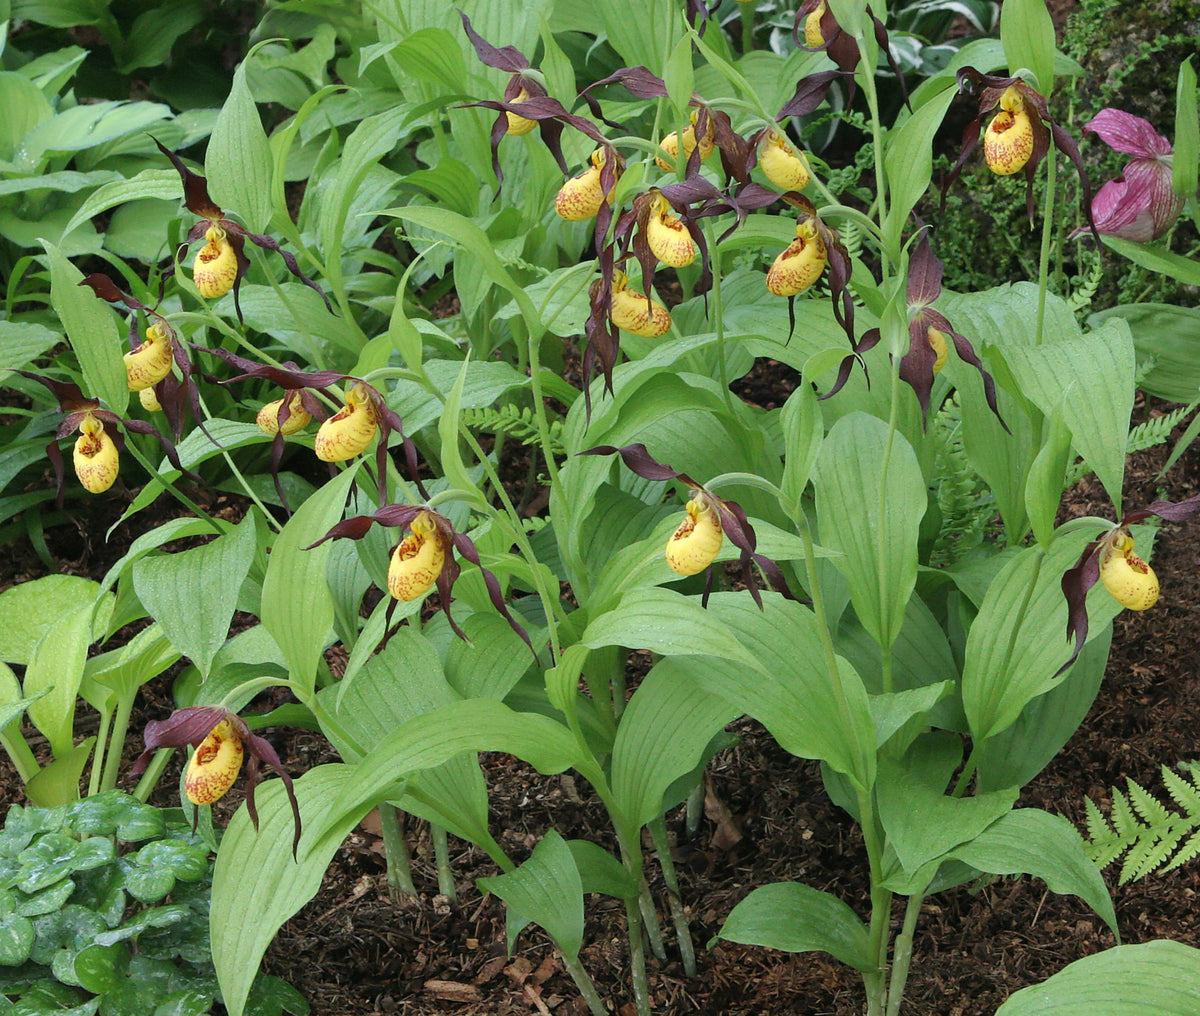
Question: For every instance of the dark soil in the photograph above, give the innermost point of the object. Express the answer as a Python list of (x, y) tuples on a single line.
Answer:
[(357, 949)]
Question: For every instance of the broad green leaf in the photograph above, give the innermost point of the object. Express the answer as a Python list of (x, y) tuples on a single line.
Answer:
[(1090, 380), (810, 712), (908, 159), (668, 623), (1047, 473), (679, 76), (23, 342), (1028, 37), (1158, 259), (120, 672), (66, 181), (1018, 641), (149, 183), (800, 421), (798, 918), (297, 607), (1029, 841), (1185, 163), (55, 669), (29, 609), (600, 872), (1166, 335), (433, 55), (546, 890), (1001, 457), (491, 663), (24, 108), (448, 433), (193, 594), (88, 125), (1158, 978), (636, 30), (238, 162), (92, 331), (58, 782), (484, 383), (172, 529), (662, 736), (878, 504)]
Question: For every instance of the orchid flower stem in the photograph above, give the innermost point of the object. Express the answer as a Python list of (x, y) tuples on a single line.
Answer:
[(885, 651), (19, 753), (650, 919), (179, 496), (683, 933), (881, 909), (902, 953), (747, 12), (271, 520), (395, 850), (637, 958), (441, 854), (585, 985), (1047, 235), (151, 776), (868, 83), (718, 315), (116, 741)]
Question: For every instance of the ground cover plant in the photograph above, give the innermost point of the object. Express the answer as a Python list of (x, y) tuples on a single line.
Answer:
[(875, 568)]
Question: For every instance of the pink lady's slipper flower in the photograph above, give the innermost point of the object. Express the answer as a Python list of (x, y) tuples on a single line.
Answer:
[(1140, 204)]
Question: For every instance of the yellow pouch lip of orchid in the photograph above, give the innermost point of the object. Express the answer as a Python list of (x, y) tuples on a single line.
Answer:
[(147, 365), (349, 431), (1129, 580), (95, 456), (417, 561), (668, 237), (783, 168), (214, 269), (1009, 139), (631, 311), (800, 266), (267, 418), (695, 544), (214, 765)]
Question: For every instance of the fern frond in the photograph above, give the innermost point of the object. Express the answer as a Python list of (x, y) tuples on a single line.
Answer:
[(1145, 435), (1143, 829), (514, 421), (1081, 298)]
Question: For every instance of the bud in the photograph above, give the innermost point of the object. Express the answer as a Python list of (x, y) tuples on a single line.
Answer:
[(800, 265), (214, 765), (96, 460), (696, 542), (149, 400), (1008, 142), (417, 560), (783, 167), (937, 340), (670, 145), (348, 432), (580, 197), (215, 267), (151, 361), (667, 236), (633, 312), (813, 37), (298, 416), (518, 124), (1127, 577)]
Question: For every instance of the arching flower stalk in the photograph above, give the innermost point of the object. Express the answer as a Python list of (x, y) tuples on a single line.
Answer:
[(221, 739), (96, 454), (341, 436), (221, 263), (1019, 133), (1111, 560), (425, 559), (695, 544)]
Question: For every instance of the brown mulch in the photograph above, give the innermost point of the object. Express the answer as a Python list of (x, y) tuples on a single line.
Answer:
[(356, 949)]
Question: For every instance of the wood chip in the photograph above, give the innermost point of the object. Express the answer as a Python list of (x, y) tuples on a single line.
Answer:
[(453, 991)]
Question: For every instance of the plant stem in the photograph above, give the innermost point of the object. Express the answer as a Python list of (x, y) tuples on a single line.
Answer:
[(650, 919), (881, 909), (116, 741), (94, 780), (150, 777), (718, 314), (637, 959), (179, 496), (1047, 234), (395, 850), (441, 853), (747, 12), (695, 810), (902, 953), (585, 985), (683, 933)]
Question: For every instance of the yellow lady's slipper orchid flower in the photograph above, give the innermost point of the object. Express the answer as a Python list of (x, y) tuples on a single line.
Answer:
[(96, 459), (214, 765), (814, 38), (350, 430), (633, 312), (580, 197), (667, 236), (1008, 142), (801, 264), (149, 400), (1127, 577), (517, 124), (417, 560), (670, 144), (215, 268), (937, 340), (697, 541), (783, 167), (151, 361), (298, 417)]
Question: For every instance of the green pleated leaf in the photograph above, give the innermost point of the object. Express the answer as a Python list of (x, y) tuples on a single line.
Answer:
[(193, 594), (1166, 335), (238, 162), (1047, 474), (149, 183), (1028, 37), (1158, 259), (29, 609), (1159, 978), (92, 331), (876, 509), (297, 607), (546, 890), (1029, 841), (1185, 165), (909, 158), (662, 736), (798, 918)]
